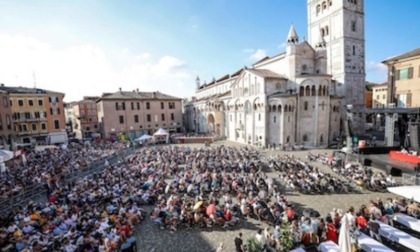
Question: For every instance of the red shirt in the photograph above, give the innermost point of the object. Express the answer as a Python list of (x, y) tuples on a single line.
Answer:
[(361, 222), (290, 214)]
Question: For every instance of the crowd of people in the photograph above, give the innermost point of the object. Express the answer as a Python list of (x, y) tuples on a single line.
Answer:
[(50, 165), (361, 175), (302, 177), (210, 186)]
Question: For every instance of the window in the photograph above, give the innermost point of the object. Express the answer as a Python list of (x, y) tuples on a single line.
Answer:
[(23, 127), (274, 119), (327, 30), (8, 122), (288, 119), (406, 73), (354, 50), (162, 105), (117, 107), (58, 110), (162, 116), (147, 105), (40, 103), (34, 126), (138, 105), (330, 2), (171, 105), (121, 119), (53, 99), (377, 97), (123, 105), (318, 9), (149, 117), (322, 32), (56, 124), (353, 26), (324, 5), (5, 103), (43, 126), (304, 68), (30, 102), (132, 105), (172, 116), (11, 103), (383, 96), (305, 106), (136, 118), (20, 102), (259, 117), (305, 138)]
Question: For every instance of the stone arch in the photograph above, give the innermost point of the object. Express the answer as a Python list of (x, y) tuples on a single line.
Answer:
[(274, 108), (248, 107), (210, 122), (313, 90), (307, 91), (302, 91), (279, 108), (324, 91), (304, 138), (319, 90)]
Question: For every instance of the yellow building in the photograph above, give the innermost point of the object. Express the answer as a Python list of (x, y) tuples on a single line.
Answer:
[(404, 79), (379, 95), (36, 113)]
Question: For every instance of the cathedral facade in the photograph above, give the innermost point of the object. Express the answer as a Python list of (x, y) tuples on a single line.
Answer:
[(292, 98)]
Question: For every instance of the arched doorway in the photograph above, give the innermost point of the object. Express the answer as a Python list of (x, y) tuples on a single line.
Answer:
[(210, 121)]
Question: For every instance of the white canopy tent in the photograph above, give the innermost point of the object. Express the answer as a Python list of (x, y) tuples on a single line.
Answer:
[(409, 192), (143, 138), (161, 135), (6, 155)]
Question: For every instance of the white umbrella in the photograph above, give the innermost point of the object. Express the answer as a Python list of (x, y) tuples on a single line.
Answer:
[(408, 192), (6, 155), (344, 238)]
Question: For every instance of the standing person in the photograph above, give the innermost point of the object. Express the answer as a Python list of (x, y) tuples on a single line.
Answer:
[(239, 243), (331, 231)]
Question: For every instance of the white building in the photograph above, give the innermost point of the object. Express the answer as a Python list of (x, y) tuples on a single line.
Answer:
[(295, 97)]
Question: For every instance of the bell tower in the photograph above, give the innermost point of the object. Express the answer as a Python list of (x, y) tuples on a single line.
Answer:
[(341, 24)]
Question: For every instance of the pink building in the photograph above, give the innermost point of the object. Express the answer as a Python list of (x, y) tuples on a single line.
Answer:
[(136, 113)]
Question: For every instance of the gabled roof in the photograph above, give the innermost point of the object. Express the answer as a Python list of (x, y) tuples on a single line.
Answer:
[(26, 90), (265, 73), (124, 95), (413, 53)]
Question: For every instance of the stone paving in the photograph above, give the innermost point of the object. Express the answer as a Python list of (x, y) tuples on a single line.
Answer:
[(151, 238)]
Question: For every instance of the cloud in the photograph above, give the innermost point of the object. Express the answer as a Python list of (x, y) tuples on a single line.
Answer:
[(376, 71), (282, 45), (258, 54), (87, 69), (375, 66)]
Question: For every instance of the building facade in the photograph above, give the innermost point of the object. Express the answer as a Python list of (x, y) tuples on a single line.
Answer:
[(84, 118), (7, 136), (282, 100), (342, 26), (404, 79), (379, 95), (296, 97), (36, 112), (135, 113)]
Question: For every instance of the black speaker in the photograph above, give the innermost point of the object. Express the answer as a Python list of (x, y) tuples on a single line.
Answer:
[(414, 130)]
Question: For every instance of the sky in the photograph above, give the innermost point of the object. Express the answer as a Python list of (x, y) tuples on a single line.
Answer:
[(86, 48)]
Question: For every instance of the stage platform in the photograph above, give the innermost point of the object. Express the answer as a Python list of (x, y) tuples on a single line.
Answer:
[(387, 164)]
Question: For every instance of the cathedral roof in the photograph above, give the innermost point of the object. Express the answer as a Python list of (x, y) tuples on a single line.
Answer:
[(265, 73), (413, 53)]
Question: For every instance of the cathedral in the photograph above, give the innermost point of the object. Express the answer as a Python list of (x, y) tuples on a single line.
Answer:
[(297, 97)]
